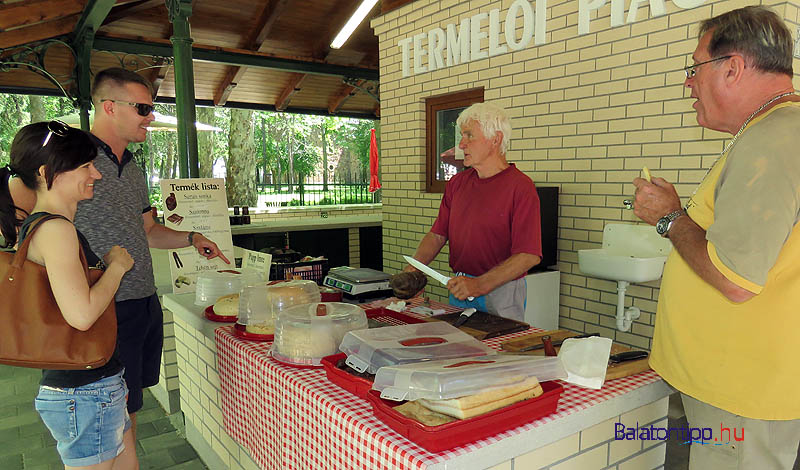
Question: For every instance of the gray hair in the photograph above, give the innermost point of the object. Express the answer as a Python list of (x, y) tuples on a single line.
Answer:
[(492, 118), (757, 33)]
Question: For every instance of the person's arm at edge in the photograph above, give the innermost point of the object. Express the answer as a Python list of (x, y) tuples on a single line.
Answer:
[(430, 246), (80, 304), (159, 236), (688, 238), (462, 287)]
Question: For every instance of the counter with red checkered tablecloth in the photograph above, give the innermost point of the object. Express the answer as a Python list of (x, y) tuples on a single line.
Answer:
[(292, 418)]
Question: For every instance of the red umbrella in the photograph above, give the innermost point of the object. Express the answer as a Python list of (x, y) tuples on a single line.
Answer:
[(374, 184)]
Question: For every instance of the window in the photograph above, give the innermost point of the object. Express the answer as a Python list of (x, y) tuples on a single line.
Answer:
[(443, 158)]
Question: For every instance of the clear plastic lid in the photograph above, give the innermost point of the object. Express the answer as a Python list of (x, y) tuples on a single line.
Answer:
[(284, 295), (453, 378), (260, 304), (304, 334), (369, 350), (215, 284)]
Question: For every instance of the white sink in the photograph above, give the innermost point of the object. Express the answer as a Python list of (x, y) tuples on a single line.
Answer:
[(632, 253)]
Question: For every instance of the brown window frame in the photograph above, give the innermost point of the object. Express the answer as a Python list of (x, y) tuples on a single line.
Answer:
[(433, 105)]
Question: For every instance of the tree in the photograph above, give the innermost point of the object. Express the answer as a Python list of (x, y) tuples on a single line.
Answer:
[(241, 164), (205, 143)]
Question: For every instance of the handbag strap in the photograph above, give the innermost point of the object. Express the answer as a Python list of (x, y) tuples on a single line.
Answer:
[(22, 251)]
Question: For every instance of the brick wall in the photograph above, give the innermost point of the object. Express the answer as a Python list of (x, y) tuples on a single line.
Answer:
[(588, 112)]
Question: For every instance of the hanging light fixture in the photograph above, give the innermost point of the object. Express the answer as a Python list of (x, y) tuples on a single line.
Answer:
[(352, 23)]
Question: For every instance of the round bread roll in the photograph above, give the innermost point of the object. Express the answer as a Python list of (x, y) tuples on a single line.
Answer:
[(284, 297), (227, 306), (261, 328)]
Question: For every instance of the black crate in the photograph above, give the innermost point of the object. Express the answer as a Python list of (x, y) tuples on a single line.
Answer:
[(307, 270)]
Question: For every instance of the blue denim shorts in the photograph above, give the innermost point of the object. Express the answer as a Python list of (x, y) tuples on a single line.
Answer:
[(88, 422)]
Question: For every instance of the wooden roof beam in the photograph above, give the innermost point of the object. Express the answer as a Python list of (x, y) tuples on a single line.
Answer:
[(38, 32), (344, 94), (119, 12), (17, 15), (294, 85), (269, 15)]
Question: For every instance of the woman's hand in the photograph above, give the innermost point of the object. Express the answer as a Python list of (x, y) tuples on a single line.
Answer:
[(118, 256)]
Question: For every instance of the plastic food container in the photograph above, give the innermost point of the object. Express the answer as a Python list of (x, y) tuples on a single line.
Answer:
[(453, 378), (463, 431), (370, 350), (304, 334), (215, 284), (260, 304)]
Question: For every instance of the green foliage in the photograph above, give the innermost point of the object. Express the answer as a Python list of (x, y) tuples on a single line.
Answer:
[(276, 135), (15, 112)]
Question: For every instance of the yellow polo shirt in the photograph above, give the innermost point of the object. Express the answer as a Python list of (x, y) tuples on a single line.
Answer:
[(741, 357)]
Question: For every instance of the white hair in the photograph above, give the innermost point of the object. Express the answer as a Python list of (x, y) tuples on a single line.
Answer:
[(492, 118)]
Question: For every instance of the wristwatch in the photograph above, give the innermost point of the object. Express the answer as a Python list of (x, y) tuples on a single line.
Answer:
[(665, 223), (190, 237)]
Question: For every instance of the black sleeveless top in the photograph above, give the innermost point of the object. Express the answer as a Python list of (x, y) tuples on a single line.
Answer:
[(74, 378)]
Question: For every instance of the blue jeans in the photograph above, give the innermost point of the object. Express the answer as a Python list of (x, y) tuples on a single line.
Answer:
[(88, 422)]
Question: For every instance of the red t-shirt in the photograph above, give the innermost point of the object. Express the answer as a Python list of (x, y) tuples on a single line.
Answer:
[(488, 220)]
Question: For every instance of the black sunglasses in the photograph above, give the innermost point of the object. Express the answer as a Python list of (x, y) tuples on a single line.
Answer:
[(143, 109), (58, 128)]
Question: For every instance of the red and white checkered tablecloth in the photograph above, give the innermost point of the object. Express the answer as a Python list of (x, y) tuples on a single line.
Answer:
[(292, 418)]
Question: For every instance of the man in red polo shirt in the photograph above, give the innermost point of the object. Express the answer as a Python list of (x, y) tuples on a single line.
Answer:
[(490, 216)]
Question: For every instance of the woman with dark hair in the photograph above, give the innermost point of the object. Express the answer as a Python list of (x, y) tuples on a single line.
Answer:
[(85, 410)]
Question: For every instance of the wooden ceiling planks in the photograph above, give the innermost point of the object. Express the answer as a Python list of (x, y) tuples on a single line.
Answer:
[(295, 29)]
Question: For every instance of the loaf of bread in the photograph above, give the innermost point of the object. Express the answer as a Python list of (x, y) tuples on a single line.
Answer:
[(227, 306), (484, 402), (406, 285), (417, 412), (284, 296)]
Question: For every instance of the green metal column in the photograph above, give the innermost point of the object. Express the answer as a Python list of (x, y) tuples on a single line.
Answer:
[(83, 51), (179, 13), (90, 21)]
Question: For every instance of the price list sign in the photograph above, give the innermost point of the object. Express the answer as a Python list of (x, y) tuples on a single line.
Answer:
[(196, 205)]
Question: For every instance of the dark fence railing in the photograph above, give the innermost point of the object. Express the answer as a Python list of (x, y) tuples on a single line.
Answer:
[(313, 193)]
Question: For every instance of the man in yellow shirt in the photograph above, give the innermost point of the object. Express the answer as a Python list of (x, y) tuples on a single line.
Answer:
[(729, 308)]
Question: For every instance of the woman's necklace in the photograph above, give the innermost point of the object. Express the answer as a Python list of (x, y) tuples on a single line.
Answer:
[(775, 98)]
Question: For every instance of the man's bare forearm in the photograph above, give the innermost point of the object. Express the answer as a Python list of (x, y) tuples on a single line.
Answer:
[(430, 246), (506, 271)]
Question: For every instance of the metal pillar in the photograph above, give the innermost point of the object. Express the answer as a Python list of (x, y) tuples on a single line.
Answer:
[(83, 52), (179, 13)]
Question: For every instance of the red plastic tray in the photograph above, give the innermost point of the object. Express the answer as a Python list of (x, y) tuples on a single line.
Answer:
[(209, 312), (240, 331), (446, 436), (358, 386), (400, 316), (292, 364)]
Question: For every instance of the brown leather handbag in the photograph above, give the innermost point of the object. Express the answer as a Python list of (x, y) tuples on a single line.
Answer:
[(33, 332)]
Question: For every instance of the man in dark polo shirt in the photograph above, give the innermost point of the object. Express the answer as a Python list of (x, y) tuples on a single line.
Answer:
[(119, 214)]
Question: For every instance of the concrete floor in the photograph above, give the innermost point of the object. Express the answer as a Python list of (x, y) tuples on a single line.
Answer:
[(25, 443)]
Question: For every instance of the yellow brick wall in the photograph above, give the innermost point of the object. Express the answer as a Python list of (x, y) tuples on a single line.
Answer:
[(588, 112)]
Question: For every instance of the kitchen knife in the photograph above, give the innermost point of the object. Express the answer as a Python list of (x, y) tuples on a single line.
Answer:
[(464, 317), (627, 356), (536, 346), (431, 272)]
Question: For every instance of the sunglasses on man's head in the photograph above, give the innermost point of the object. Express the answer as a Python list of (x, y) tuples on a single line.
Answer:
[(58, 128), (143, 109)]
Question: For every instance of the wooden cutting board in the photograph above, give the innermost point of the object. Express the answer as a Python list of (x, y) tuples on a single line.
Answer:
[(614, 371), (482, 325)]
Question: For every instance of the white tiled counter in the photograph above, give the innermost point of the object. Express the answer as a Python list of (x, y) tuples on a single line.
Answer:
[(583, 440)]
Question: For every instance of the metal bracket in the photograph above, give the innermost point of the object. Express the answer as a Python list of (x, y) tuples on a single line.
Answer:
[(368, 86), (32, 56)]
